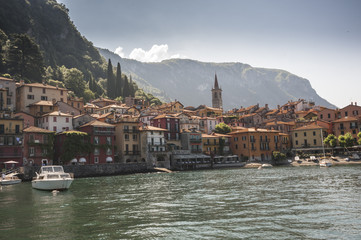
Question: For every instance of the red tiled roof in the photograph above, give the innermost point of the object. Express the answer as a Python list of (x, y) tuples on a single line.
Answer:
[(33, 129)]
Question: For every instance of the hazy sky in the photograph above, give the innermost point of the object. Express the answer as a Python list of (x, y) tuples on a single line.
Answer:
[(319, 40)]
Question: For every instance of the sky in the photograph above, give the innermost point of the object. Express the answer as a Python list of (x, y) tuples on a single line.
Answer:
[(317, 40)]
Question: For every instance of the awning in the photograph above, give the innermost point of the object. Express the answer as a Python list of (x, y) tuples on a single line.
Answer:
[(82, 160), (109, 159), (74, 160), (11, 162)]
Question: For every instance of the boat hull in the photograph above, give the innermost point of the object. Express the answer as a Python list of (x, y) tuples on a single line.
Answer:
[(10, 182), (49, 185), (325, 164)]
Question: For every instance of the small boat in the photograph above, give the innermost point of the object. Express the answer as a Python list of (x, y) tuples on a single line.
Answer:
[(325, 163), (10, 179), (52, 178), (266, 165)]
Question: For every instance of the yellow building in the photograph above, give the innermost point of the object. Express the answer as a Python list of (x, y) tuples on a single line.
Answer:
[(308, 136), (172, 107), (27, 94), (127, 139), (217, 144)]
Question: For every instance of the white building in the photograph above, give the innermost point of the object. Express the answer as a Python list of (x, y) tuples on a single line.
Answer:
[(155, 138), (56, 121), (208, 124)]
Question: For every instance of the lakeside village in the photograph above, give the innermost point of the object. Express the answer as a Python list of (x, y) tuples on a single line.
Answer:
[(41, 125)]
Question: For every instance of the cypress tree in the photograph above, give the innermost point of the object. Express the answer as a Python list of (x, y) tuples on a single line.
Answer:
[(118, 82), (110, 80), (131, 87), (126, 87)]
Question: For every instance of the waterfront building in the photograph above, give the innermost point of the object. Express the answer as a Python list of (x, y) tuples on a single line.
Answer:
[(171, 123), (29, 119), (7, 97), (351, 110), (216, 94), (90, 108), (153, 146), (127, 139), (10, 138), (191, 139), (308, 136), (345, 125), (67, 108), (27, 94), (255, 144), (284, 127), (56, 121), (38, 144), (102, 136), (217, 144), (205, 111)]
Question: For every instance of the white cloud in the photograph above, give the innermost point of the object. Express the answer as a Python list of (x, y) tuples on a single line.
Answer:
[(120, 52), (157, 53)]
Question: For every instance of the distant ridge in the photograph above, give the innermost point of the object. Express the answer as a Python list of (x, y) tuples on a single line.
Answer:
[(190, 82)]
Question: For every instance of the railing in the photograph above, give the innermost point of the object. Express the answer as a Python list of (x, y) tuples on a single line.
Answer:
[(130, 130), (252, 140), (99, 132), (131, 152), (156, 144), (195, 140)]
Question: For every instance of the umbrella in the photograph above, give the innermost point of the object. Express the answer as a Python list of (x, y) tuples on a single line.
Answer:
[(11, 161)]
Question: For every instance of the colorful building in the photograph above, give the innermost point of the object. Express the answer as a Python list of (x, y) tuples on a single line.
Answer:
[(308, 136)]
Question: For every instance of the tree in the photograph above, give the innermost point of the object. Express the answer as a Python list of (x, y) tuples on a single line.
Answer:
[(3, 38), (24, 59), (76, 143), (126, 87), (278, 156), (74, 80), (118, 82), (346, 140), (359, 138), (222, 128), (330, 141), (110, 81)]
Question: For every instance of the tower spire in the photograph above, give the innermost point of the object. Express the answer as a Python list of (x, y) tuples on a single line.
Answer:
[(215, 81)]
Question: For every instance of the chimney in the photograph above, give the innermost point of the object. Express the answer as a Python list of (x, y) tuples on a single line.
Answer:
[(355, 103), (278, 106), (351, 103), (266, 105)]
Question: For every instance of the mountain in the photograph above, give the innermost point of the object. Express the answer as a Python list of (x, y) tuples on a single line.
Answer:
[(49, 24), (191, 81)]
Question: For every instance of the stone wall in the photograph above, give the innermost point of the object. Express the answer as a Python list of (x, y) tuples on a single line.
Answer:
[(93, 170)]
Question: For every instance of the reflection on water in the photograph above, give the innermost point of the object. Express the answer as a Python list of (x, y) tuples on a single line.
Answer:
[(277, 203)]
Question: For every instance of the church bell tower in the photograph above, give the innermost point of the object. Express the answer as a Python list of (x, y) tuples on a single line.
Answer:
[(216, 94)]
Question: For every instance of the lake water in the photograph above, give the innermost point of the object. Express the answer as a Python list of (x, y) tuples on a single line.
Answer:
[(277, 203)]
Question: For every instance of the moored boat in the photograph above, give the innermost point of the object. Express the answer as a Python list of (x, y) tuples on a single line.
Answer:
[(325, 163), (10, 179), (52, 178), (266, 165)]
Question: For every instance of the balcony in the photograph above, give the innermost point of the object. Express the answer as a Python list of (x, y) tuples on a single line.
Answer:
[(131, 153), (10, 155), (195, 140), (156, 144), (130, 130), (103, 132), (252, 140)]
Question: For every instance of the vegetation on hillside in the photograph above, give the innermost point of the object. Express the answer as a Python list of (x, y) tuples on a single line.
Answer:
[(39, 42)]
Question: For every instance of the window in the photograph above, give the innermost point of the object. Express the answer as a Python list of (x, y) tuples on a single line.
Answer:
[(44, 90), (54, 128), (30, 96), (314, 133), (304, 134), (96, 151), (296, 142), (109, 140), (31, 151), (321, 116), (96, 140), (296, 135), (54, 119), (244, 145), (109, 151), (67, 120), (96, 159), (134, 137), (314, 142), (329, 115), (45, 139), (31, 138), (61, 92), (45, 152), (8, 101), (30, 89), (346, 114), (2, 140), (17, 129), (126, 137), (236, 146)]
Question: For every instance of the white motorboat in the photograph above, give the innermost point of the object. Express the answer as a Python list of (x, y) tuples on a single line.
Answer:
[(52, 178), (10, 179), (325, 163), (266, 165)]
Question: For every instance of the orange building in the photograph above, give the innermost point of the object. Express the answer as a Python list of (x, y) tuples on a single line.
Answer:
[(347, 125), (351, 110), (256, 144)]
